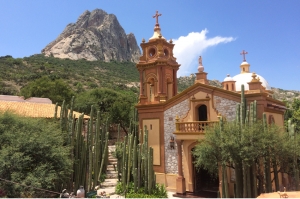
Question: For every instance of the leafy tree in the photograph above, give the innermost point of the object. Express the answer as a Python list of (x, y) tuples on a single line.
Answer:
[(231, 147), (113, 104), (293, 113), (32, 153), (56, 90)]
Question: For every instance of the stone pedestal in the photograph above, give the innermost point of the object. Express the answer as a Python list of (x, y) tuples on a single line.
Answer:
[(201, 78)]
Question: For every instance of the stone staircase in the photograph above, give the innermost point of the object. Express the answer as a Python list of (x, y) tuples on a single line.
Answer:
[(111, 180)]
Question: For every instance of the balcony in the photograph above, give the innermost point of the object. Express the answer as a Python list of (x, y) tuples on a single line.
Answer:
[(192, 130)]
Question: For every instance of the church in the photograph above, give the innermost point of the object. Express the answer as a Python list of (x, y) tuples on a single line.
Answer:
[(173, 119)]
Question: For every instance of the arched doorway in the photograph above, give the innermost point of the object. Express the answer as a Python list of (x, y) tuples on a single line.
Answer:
[(205, 184), (202, 113)]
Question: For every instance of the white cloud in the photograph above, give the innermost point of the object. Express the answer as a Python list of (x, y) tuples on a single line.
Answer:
[(188, 49)]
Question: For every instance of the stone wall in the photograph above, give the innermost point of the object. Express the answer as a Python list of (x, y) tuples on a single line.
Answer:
[(170, 114), (225, 107)]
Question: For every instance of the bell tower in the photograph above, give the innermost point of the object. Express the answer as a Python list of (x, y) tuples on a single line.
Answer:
[(158, 68)]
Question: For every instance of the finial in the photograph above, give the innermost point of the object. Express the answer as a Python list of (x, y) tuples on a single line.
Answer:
[(177, 118), (254, 78), (244, 53), (171, 41), (143, 40), (228, 75)]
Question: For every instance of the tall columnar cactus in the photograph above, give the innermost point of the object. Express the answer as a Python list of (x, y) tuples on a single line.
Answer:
[(137, 162), (224, 170), (245, 171), (88, 149), (291, 129), (267, 166)]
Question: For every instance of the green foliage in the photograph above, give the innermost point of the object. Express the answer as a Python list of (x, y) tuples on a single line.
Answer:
[(32, 153), (229, 146), (117, 105), (90, 74), (158, 192), (293, 113), (56, 90)]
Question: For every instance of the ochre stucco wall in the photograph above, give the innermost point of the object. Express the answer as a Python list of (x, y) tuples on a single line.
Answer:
[(153, 138)]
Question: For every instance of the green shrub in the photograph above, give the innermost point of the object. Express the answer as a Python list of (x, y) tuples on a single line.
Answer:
[(159, 191)]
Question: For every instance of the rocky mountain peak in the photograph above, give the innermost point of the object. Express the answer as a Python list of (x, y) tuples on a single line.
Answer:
[(95, 36)]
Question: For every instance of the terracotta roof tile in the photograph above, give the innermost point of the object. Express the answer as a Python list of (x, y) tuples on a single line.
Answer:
[(28, 109)]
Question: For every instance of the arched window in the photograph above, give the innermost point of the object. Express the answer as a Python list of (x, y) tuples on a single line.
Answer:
[(202, 113), (150, 90)]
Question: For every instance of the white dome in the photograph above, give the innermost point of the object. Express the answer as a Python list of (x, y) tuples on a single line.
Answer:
[(244, 63), (244, 78), (228, 78)]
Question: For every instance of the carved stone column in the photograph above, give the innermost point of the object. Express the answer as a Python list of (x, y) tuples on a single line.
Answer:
[(180, 181)]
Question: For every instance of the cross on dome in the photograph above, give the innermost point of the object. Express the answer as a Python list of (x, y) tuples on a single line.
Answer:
[(244, 54), (156, 16)]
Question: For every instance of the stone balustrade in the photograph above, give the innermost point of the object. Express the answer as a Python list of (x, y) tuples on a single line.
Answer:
[(196, 126)]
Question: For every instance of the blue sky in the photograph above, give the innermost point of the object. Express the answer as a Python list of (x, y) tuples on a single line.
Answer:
[(218, 30)]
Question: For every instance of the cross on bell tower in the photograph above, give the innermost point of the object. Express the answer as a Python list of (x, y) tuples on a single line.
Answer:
[(156, 16), (158, 68), (245, 67), (244, 54)]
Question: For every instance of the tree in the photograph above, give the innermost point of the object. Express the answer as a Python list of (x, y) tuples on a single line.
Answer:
[(32, 153), (293, 113), (242, 149), (56, 90), (112, 104)]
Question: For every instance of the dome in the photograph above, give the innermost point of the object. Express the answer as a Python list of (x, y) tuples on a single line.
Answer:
[(244, 63), (228, 79), (244, 78)]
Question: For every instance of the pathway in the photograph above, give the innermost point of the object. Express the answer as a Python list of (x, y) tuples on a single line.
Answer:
[(111, 180)]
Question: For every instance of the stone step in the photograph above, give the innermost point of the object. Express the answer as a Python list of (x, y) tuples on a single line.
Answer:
[(111, 172), (112, 163), (111, 167), (112, 176), (108, 190), (105, 185), (112, 159), (109, 183)]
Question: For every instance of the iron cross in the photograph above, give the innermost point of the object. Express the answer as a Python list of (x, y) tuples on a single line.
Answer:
[(244, 54), (156, 16)]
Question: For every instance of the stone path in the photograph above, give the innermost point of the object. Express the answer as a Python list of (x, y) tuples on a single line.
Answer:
[(111, 180)]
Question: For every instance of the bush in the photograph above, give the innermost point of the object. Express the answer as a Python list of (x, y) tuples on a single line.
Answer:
[(159, 191), (32, 152)]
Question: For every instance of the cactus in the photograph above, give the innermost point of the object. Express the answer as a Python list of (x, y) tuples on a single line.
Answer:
[(55, 110), (291, 129), (245, 185), (86, 150), (137, 162), (224, 171)]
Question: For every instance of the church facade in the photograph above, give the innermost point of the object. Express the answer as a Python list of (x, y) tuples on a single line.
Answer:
[(174, 120)]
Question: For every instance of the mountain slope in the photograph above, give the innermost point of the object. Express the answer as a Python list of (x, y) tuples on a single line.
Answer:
[(95, 36), (82, 74)]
